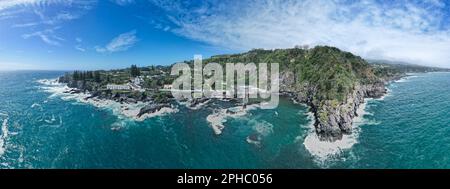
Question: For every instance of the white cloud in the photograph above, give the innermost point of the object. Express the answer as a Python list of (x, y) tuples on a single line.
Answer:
[(42, 16), (399, 30), (29, 24), (9, 4), (77, 47), (6, 4), (50, 12), (47, 36), (120, 43)]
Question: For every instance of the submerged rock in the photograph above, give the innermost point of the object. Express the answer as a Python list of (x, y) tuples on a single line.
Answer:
[(254, 139)]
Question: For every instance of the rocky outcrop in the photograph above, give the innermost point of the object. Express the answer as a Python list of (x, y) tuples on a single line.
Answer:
[(73, 83), (333, 119), (197, 102), (152, 108)]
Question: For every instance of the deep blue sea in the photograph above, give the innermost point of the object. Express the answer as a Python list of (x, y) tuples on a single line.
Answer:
[(409, 128)]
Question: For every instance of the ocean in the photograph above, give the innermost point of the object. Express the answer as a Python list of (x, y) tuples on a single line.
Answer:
[(41, 128)]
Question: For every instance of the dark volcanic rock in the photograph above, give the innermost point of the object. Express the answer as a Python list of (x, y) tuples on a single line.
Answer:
[(152, 108), (197, 101), (333, 119)]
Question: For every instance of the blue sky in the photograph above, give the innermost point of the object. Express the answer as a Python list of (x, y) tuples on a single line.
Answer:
[(104, 34)]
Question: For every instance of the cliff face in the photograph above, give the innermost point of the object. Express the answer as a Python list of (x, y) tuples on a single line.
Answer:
[(333, 83), (333, 119)]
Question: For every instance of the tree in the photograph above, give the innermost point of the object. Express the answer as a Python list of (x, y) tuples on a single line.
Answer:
[(76, 75), (97, 76), (134, 71)]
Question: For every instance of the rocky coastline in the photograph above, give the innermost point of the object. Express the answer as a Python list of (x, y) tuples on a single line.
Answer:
[(332, 120), (332, 83)]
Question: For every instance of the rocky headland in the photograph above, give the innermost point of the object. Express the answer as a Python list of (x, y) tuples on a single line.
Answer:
[(333, 83)]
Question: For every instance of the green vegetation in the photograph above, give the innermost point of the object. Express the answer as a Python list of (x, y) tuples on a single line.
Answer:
[(151, 78), (134, 71), (325, 73), (332, 82), (332, 72)]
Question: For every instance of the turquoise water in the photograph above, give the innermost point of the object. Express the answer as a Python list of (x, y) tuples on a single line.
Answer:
[(410, 128)]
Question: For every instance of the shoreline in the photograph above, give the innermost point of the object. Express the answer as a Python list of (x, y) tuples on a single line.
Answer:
[(120, 109), (323, 150), (216, 120)]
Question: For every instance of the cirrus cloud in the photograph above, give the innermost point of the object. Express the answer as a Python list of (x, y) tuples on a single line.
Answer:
[(402, 30), (40, 18), (122, 42)]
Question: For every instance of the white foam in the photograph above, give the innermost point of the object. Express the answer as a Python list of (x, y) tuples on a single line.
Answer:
[(196, 107), (216, 121), (3, 137), (264, 128), (51, 120), (254, 142), (324, 150), (54, 87), (163, 111), (406, 79), (388, 93), (126, 110), (48, 81), (219, 117), (123, 110), (35, 105), (402, 80)]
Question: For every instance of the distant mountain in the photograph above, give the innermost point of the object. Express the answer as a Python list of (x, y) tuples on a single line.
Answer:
[(387, 68)]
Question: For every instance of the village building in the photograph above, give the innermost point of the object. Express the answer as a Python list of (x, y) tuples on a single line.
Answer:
[(137, 80), (118, 87)]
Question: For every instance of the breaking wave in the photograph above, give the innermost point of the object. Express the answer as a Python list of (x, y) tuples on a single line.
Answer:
[(122, 110), (3, 137)]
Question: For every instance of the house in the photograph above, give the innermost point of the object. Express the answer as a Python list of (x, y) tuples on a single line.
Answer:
[(118, 87), (135, 87), (137, 81), (167, 86)]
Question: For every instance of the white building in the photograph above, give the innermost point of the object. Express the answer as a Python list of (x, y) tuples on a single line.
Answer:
[(118, 87), (167, 87), (137, 80)]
